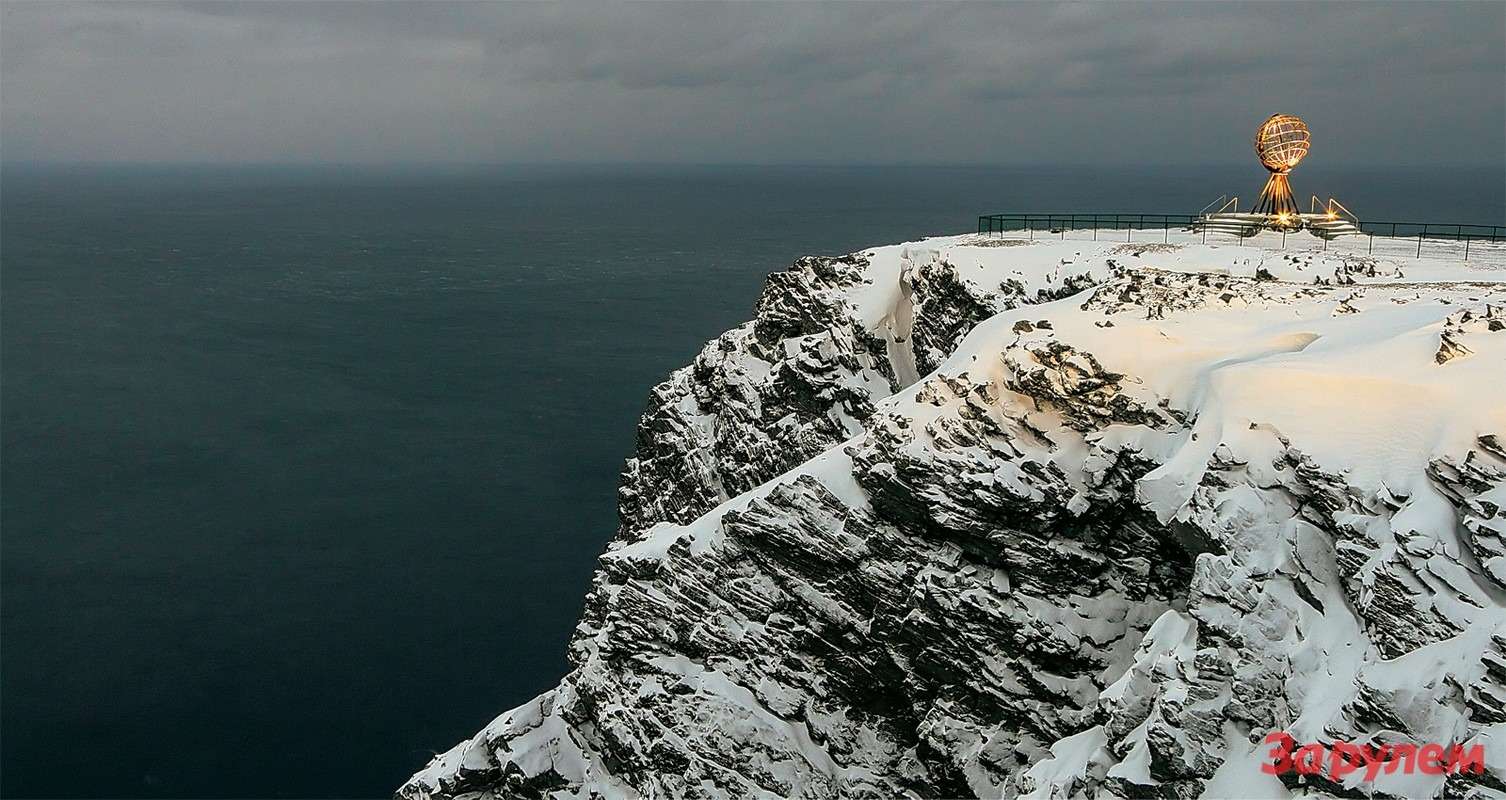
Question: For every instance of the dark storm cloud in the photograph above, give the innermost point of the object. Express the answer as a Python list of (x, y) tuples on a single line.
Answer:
[(1186, 82)]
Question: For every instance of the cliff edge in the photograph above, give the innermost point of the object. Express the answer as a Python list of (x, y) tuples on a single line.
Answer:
[(991, 517)]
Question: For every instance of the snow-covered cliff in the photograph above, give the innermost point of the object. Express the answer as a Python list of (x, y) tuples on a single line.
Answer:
[(990, 517)]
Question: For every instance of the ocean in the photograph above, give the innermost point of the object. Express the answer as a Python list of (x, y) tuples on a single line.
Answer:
[(304, 471)]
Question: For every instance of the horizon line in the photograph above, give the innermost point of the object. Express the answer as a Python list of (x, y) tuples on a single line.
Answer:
[(415, 163)]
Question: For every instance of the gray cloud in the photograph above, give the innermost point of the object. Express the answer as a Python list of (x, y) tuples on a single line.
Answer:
[(1162, 83)]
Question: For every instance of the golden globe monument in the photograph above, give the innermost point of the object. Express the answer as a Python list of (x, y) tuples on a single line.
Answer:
[(1281, 142)]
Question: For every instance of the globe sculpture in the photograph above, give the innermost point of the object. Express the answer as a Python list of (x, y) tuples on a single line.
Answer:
[(1280, 142)]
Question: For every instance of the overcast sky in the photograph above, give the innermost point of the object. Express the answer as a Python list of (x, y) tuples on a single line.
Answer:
[(1413, 83)]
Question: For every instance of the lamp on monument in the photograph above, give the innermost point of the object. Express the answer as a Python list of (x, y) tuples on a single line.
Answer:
[(1281, 142)]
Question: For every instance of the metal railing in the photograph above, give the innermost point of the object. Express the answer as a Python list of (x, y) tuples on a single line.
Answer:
[(1061, 223), (1332, 209), (1223, 199), (1113, 225), (1434, 230)]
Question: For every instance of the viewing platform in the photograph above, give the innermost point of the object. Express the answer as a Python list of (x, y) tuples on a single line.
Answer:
[(1484, 245)]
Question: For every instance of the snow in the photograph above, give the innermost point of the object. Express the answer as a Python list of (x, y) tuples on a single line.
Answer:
[(1362, 390), (1071, 758), (1324, 350), (832, 468), (1240, 775)]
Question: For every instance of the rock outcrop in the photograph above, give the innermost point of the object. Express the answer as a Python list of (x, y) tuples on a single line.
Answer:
[(1055, 519)]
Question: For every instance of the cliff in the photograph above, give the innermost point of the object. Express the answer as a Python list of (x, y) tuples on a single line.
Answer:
[(984, 517)]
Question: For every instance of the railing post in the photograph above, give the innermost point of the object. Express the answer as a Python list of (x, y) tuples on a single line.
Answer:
[(1466, 248), (1371, 249), (1419, 240)]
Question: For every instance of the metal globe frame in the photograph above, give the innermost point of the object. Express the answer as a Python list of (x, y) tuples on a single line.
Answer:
[(1281, 142)]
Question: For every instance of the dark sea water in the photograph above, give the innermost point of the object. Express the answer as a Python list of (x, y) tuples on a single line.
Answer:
[(305, 470)]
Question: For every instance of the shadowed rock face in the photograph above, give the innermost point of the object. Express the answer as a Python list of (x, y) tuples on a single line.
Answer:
[(761, 399), (1024, 572)]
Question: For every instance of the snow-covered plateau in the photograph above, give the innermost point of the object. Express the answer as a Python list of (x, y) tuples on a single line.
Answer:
[(997, 517)]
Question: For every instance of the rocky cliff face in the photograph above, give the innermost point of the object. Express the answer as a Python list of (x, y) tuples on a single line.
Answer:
[(993, 518)]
